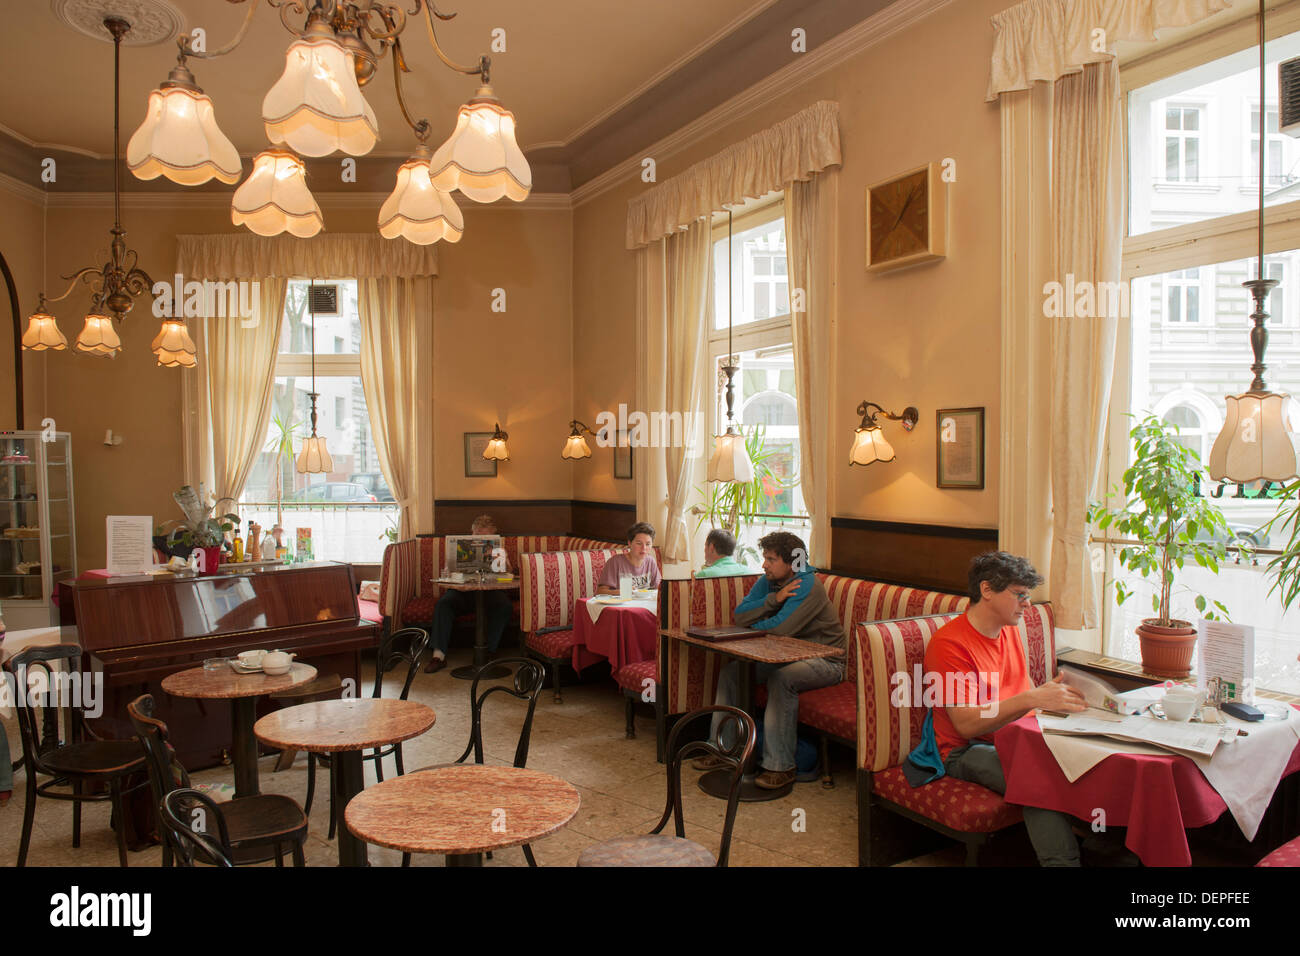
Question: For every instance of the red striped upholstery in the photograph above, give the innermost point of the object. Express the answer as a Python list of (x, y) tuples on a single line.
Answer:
[(551, 581), (410, 567), (889, 719), (1288, 854)]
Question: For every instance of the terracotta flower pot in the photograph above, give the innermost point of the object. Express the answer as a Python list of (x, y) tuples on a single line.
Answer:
[(1167, 651)]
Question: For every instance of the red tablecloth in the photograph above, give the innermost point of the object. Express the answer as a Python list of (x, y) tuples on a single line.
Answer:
[(1156, 798), (624, 635)]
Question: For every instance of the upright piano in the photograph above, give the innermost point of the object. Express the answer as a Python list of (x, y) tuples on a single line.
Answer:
[(136, 631)]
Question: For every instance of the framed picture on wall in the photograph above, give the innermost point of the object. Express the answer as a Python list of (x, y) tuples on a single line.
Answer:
[(476, 466), (960, 456), (622, 457)]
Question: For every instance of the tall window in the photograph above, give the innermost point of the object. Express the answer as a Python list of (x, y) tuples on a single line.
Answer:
[(762, 346), (1187, 256), (349, 509), (1182, 144)]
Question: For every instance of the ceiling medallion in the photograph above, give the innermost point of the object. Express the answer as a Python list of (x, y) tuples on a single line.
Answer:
[(152, 21)]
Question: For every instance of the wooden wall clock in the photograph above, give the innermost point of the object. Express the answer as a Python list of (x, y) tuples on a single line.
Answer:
[(906, 219)]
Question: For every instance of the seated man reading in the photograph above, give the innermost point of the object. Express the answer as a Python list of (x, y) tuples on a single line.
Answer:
[(719, 547), (793, 603), (452, 604), (982, 663), (638, 563)]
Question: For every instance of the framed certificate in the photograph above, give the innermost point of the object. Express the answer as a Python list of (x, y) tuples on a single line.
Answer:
[(476, 466), (960, 456)]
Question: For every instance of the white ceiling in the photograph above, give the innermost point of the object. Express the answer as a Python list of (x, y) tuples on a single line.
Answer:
[(568, 64)]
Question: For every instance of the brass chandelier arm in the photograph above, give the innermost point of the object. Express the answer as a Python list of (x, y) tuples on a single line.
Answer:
[(484, 63), (185, 40), (393, 15), (421, 128)]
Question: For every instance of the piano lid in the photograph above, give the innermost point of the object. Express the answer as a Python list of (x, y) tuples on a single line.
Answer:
[(129, 612)]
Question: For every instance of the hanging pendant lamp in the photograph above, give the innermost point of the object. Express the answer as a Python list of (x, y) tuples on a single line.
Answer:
[(1256, 441), (314, 459), (730, 461)]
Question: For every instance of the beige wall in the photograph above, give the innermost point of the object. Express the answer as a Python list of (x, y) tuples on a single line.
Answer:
[(21, 244), (926, 337), (512, 367)]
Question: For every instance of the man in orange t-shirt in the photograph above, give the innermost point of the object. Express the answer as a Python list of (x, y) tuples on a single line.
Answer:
[(979, 663)]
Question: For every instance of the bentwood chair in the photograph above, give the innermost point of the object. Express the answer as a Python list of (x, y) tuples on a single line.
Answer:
[(251, 829), (184, 814), (657, 848), (529, 677), (87, 766), (403, 646)]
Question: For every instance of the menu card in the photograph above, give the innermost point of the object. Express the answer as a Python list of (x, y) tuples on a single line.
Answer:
[(130, 544), (1226, 651)]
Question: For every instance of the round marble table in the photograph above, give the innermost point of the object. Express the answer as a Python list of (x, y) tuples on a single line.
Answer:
[(463, 810), (346, 727), (242, 690)]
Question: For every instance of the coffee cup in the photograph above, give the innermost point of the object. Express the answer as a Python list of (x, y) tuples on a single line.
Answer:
[(1179, 703), (251, 658)]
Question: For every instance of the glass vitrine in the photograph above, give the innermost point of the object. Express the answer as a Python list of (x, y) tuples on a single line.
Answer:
[(38, 545)]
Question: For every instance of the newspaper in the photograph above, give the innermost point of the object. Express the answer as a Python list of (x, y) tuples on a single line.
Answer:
[(1188, 739)]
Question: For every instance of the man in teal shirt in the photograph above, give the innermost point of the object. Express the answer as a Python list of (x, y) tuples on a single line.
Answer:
[(719, 547)]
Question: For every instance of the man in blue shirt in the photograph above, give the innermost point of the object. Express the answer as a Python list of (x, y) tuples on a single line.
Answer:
[(787, 600)]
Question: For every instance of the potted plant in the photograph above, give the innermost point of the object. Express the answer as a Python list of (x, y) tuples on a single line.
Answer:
[(1285, 567), (734, 505), (199, 528), (284, 431), (1169, 524)]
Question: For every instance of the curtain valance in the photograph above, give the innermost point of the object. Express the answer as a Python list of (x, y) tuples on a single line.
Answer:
[(224, 257), (1046, 39), (792, 150)]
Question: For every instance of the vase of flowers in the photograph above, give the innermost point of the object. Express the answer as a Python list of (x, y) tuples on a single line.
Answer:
[(199, 529)]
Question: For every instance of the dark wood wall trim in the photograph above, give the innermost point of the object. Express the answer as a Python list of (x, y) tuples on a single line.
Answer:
[(921, 555), (587, 519)]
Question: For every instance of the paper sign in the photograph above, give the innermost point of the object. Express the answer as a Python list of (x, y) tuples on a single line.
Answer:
[(130, 543), (1226, 651)]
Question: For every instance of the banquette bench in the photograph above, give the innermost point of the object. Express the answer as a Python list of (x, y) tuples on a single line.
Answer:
[(889, 719)]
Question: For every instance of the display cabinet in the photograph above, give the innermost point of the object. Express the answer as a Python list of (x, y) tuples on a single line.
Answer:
[(38, 543)]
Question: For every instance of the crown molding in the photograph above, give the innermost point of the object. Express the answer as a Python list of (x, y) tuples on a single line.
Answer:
[(21, 189), (536, 202), (874, 30)]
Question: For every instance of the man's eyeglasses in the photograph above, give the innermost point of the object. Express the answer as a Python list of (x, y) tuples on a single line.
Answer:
[(1021, 596)]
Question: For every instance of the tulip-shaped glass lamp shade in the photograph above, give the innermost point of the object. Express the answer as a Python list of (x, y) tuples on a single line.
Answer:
[(316, 107), (496, 447), (1256, 441), (730, 461), (179, 139), (42, 333), (575, 446), (98, 337), (870, 445), (275, 198), (417, 210), (314, 459), (482, 158), (173, 345)]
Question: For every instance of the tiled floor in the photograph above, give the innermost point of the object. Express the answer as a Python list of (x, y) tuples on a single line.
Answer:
[(581, 740)]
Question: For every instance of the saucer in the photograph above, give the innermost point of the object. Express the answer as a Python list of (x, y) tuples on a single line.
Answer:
[(239, 667)]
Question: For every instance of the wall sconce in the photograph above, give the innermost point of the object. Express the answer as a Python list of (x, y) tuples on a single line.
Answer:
[(496, 446), (869, 443), (112, 440), (575, 446)]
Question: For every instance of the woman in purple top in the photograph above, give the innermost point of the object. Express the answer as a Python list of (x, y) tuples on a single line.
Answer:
[(639, 563)]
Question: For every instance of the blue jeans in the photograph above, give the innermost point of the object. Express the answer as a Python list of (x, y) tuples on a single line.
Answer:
[(1049, 830), (6, 763), (781, 719), (452, 604)]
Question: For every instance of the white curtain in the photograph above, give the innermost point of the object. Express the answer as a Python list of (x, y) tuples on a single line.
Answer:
[(810, 253), (1070, 44), (390, 315), (676, 272), (239, 362), (334, 256)]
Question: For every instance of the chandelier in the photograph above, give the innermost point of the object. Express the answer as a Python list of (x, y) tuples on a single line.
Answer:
[(115, 284), (316, 108)]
